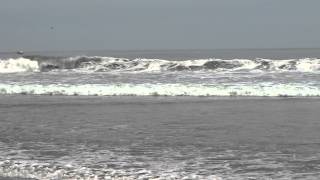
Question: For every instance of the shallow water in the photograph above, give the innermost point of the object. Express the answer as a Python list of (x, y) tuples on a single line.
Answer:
[(72, 137)]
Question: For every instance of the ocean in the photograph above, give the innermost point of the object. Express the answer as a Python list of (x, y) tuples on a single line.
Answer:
[(160, 114)]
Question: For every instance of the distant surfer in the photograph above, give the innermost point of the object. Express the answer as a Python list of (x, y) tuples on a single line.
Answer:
[(20, 52)]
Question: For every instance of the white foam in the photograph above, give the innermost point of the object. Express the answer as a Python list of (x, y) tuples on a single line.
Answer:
[(308, 65), (262, 89), (18, 65), (45, 171), (112, 64), (158, 65)]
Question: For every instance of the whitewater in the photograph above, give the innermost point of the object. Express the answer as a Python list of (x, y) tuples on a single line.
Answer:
[(229, 115), (113, 76)]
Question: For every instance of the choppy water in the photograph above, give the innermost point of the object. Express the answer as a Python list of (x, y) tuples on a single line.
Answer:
[(107, 115), (165, 75), (50, 137)]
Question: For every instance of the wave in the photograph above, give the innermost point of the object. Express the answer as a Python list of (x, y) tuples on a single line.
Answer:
[(262, 89), (18, 65), (111, 64)]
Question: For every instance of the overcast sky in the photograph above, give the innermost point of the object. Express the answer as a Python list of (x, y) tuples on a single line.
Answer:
[(158, 24)]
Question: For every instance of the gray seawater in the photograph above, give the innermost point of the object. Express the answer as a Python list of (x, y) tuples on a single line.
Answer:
[(180, 54), (178, 114), (63, 137)]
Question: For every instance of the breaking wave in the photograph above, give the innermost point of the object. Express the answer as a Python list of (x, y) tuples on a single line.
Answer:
[(18, 65), (111, 64), (263, 89)]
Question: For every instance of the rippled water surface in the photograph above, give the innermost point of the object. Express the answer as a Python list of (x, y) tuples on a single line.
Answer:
[(72, 137)]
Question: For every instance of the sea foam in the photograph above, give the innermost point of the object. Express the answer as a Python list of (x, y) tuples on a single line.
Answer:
[(18, 65), (112, 64), (262, 89)]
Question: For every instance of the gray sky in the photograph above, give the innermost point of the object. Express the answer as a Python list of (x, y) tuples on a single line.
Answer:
[(158, 24)]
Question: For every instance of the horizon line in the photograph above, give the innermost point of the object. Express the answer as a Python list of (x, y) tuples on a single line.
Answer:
[(160, 49)]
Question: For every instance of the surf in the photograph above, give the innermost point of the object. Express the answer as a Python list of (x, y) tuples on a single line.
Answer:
[(127, 89), (142, 65)]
